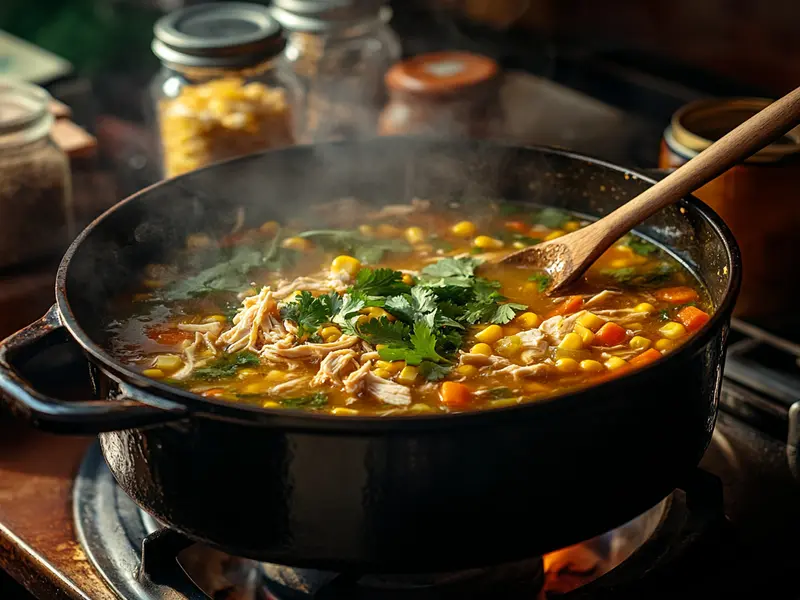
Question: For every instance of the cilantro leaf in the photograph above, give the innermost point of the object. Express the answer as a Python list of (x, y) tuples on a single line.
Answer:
[(433, 371), (366, 249), (317, 400), (641, 247), (227, 365), (542, 280), (379, 282), (227, 275), (420, 346), (505, 312), (553, 218), (452, 267), (310, 312), (348, 313), (384, 331), (633, 277)]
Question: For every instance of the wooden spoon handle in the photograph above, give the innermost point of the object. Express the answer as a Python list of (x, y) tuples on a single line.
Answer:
[(752, 135)]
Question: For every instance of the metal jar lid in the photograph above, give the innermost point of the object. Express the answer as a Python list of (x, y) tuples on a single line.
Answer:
[(218, 35), (320, 16), (443, 74), (24, 113), (696, 126)]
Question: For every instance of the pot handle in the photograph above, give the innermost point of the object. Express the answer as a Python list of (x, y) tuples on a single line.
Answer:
[(133, 408)]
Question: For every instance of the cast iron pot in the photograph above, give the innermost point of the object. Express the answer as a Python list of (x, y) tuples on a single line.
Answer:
[(381, 494)]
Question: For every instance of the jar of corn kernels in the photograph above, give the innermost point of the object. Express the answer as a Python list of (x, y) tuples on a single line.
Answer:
[(221, 93)]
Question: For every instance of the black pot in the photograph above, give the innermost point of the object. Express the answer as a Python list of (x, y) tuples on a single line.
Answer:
[(382, 494)]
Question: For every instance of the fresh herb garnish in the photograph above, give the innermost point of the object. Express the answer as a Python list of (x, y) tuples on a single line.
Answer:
[(383, 331), (499, 393), (433, 371), (317, 400), (641, 247), (634, 277), (420, 346), (379, 282), (553, 218), (310, 312), (663, 315), (542, 280), (227, 365)]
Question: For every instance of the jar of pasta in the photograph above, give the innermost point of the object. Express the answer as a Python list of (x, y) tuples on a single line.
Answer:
[(221, 93), (340, 50)]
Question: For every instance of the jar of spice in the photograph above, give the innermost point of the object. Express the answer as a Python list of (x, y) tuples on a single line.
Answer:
[(340, 50), (36, 217), (221, 92), (444, 93), (757, 199)]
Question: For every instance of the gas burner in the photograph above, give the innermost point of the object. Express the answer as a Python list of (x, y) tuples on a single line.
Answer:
[(141, 560)]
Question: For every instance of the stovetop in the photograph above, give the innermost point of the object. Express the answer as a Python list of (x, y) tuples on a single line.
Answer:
[(67, 531)]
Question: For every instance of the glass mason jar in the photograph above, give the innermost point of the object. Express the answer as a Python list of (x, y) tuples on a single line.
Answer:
[(36, 213), (341, 51), (221, 92)]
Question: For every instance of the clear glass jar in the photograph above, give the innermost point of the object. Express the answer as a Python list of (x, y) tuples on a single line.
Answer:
[(341, 51), (222, 92), (36, 213)]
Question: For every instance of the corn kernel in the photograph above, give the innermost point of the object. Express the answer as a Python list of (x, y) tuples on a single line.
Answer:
[(408, 279), (554, 234), (392, 367), (591, 321), (463, 229), (346, 264), (672, 330), (415, 235), (645, 307), (572, 226), (408, 374), (296, 243), (534, 387), (331, 338), (586, 335), (329, 331), (168, 362), (620, 263), (343, 411), (509, 330), (216, 318), (518, 245), (567, 365), (245, 373), (259, 387), (527, 320), (509, 346), (484, 242), (467, 370), (376, 312), (420, 407), (490, 334), (270, 404), (153, 373), (615, 362), (663, 345), (635, 326), (366, 230), (382, 373), (275, 376), (571, 341), (639, 343), (591, 366), (270, 227), (481, 348)]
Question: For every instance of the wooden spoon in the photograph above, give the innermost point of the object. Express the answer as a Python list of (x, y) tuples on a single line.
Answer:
[(565, 259)]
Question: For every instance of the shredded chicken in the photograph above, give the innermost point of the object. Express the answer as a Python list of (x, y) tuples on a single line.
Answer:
[(481, 360), (364, 381), (518, 372), (555, 328), (254, 324), (369, 356), (213, 328), (601, 297), (534, 342), (335, 365), (193, 354), (299, 384), (622, 316), (276, 352)]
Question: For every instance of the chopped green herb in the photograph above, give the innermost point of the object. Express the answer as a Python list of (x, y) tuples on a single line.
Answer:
[(420, 346), (383, 331), (317, 400), (553, 218), (433, 371), (227, 365), (663, 315), (499, 393), (310, 312), (366, 249), (542, 280), (379, 282), (634, 277), (641, 247)]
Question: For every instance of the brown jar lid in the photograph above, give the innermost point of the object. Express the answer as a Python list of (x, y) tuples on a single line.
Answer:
[(701, 123), (441, 73)]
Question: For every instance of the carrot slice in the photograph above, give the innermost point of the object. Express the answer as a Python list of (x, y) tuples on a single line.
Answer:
[(676, 295), (693, 318), (610, 334), (517, 226), (455, 395), (571, 305), (645, 358)]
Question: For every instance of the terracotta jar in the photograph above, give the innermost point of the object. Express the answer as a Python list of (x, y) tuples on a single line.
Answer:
[(451, 94), (759, 200)]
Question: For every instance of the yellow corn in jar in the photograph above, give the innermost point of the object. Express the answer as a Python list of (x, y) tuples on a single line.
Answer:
[(221, 92)]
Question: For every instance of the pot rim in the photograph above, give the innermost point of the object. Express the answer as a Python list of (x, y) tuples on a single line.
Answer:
[(302, 420)]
